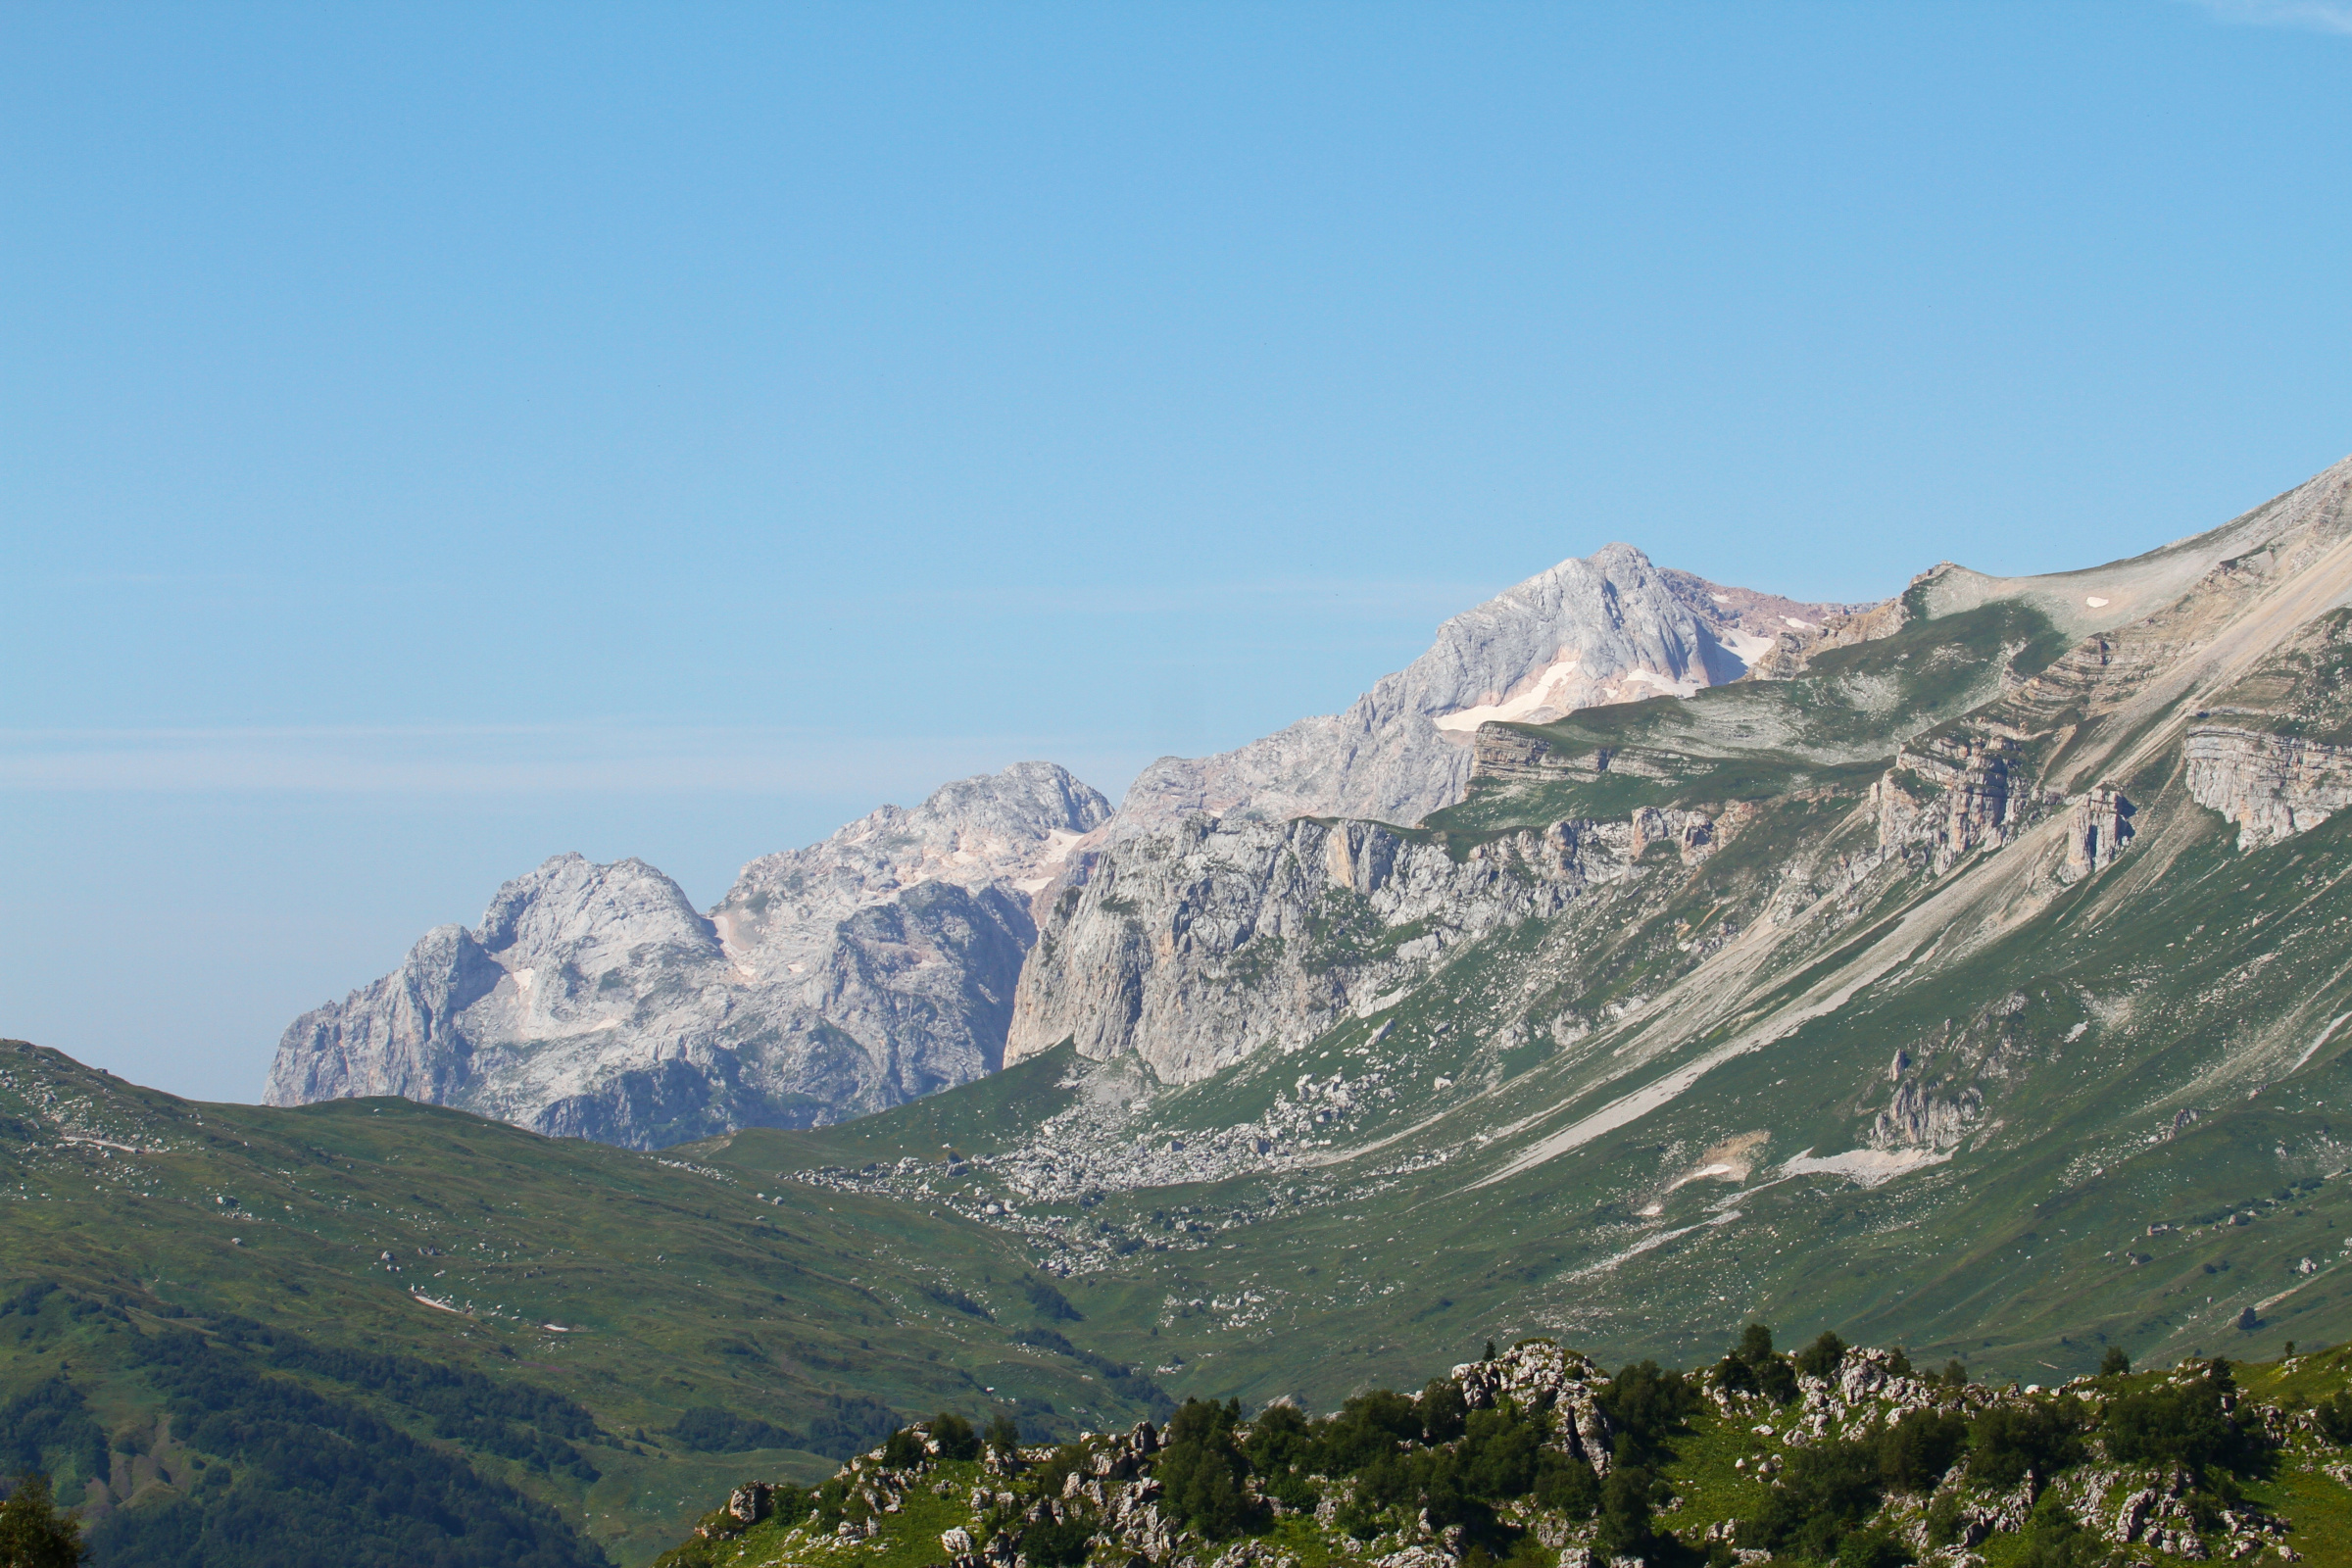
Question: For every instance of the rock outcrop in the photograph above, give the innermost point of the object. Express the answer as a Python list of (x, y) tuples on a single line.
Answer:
[(1198, 945), (2271, 786), (594, 1001)]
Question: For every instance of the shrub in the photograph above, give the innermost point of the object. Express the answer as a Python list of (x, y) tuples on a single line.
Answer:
[(1626, 1528), (1499, 1454), (1820, 1359), (1943, 1519), (1647, 1405), (1443, 1411), (1202, 1471), (2053, 1540), (1367, 1427), (1778, 1381), (2115, 1363), (2169, 1426), (954, 1436), (1830, 1486), (1567, 1484), (1004, 1433), (1872, 1548), (903, 1449), (1058, 1543), (1915, 1452), (1279, 1439), (2007, 1441), (1751, 1366), (2335, 1415)]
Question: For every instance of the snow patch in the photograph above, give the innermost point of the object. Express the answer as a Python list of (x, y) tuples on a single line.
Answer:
[(2094, 602), (1549, 689)]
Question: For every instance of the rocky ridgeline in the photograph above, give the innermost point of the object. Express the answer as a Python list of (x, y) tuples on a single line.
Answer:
[(1644, 1467), (1610, 628), (595, 1000)]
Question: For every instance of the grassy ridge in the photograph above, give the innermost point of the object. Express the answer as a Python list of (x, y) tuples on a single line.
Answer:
[(565, 1319)]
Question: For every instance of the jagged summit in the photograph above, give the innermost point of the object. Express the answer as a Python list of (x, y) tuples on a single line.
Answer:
[(1606, 628), (865, 970)]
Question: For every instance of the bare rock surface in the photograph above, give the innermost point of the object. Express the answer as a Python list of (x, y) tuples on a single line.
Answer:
[(595, 1000), (1196, 946)]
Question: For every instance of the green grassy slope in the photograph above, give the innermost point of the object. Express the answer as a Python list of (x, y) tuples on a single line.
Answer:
[(624, 1291)]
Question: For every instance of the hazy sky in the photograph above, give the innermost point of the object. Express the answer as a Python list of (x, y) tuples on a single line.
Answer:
[(433, 438)]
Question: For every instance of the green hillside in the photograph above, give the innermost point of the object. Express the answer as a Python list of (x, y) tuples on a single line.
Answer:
[(578, 1341)]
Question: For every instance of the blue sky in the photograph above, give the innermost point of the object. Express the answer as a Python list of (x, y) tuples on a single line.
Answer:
[(433, 438)]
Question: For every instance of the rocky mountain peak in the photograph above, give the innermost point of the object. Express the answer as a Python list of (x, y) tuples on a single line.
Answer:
[(1609, 627), (845, 977)]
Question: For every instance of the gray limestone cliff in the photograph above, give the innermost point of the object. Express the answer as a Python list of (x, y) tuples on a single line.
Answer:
[(595, 1000), (2271, 786), (1196, 947)]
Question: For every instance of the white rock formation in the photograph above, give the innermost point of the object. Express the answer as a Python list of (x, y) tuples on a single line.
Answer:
[(2272, 786), (831, 981)]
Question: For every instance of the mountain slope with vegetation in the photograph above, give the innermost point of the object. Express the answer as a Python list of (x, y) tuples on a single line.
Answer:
[(1535, 1457), (425, 1336)]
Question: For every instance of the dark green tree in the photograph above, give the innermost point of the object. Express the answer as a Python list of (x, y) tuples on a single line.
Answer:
[(1627, 1529), (1915, 1452), (1443, 1411), (2115, 1363), (2176, 1425), (1821, 1358), (1647, 1405), (2007, 1441), (954, 1436), (1829, 1488), (1202, 1470), (33, 1534)]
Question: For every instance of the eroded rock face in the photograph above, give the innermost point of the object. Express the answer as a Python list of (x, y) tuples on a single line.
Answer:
[(1949, 796), (1196, 946), (2097, 827), (594, 1001), (2272, 786)]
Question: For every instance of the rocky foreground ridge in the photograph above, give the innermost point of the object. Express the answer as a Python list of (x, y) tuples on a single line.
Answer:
[(1537, 1456)]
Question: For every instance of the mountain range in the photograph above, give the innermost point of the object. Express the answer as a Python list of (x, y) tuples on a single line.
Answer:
[(1967, 972), (881, 964)]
